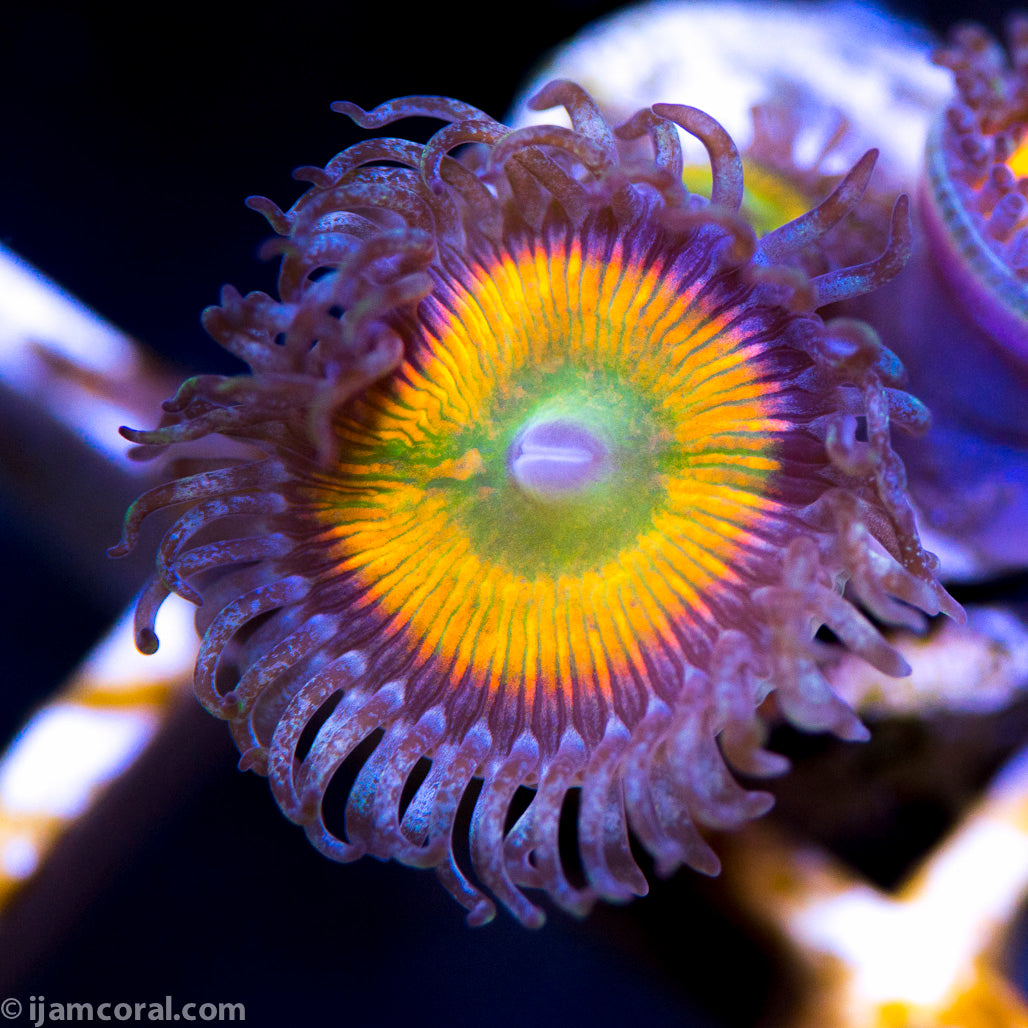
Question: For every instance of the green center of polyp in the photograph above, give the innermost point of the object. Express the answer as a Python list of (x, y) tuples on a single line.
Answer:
[(559, 460), (572, 460)]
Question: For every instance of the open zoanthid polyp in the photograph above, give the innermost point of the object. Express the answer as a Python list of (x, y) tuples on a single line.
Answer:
[(556, 473)]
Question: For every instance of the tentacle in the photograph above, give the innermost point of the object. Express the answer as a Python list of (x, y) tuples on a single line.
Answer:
[(196, 518), (502, 779), (274, 661), (585, 115), (436, 151), (738, 678), (600, 800), (442, 107), (232, 617), (343, 730), (373, 807), (792, 237), (532, 847), (592, 156), (725, 162), (448, 796), (193, 488), (667, 149), (339, 676), (847, 283)]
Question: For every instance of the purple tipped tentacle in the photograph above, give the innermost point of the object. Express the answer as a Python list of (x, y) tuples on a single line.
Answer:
[(205, 485), (532, 847), (457, 781), (681, 841), (591, 155), (199, 517), (739, 681), (373, 806), (263, 671), (793, 608)]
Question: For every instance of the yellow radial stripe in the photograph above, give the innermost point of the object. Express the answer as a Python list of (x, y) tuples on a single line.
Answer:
[(562, 647), (475, 615), (644, 615), (681, 362), (572, 273), (530, 643), (727, 523), (540, 283), (544, 629), (413, 593), (608, 644), (689, 555), (717, 394), (669, 589), (439, 634), (580, 657), (560, 300), (471, 324), (614, 580), (700, 380), (382, 571), (600, 659), (512, 608), (419, 516), (493, 328), (453, 380), (476, 369), (632, 311), (651, 589)]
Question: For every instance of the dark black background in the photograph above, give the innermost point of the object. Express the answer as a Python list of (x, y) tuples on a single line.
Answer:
[(128, 139)]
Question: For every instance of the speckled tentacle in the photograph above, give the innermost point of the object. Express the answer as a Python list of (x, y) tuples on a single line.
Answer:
[(442, 107), (665, 826), (373, 807), (501, 780), (848, 283), (286, 772), (586, 119), (601, 820), (792, 237), (739, 680), (230, 619), (344, 729), (451, 790), (199, 517), (193, 488), (532, 848)]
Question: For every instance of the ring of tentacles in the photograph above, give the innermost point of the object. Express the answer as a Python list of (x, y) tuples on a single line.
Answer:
[(549, 475)]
